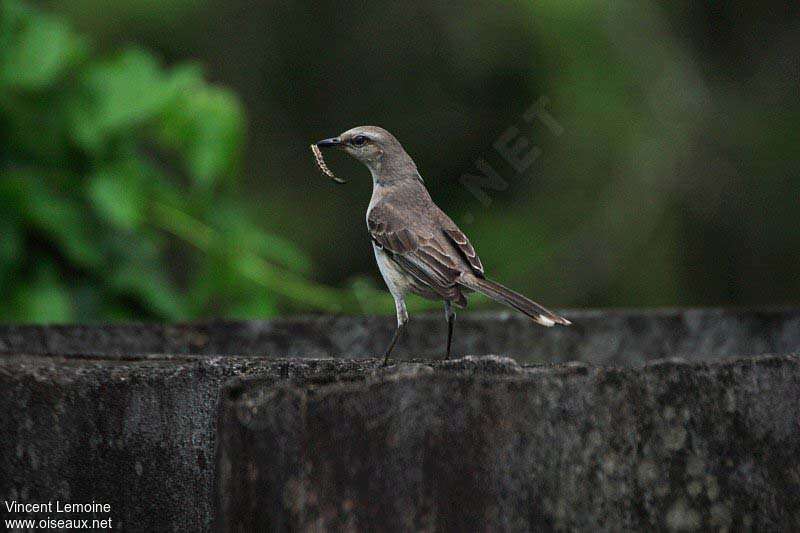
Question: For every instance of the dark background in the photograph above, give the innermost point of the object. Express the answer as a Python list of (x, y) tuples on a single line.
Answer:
[(669, 174)]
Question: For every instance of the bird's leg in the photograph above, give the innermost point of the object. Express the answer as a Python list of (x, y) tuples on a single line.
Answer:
[(396, 336), (451, 321), (402, 318)]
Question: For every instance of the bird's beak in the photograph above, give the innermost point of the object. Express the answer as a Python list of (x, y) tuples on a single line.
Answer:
[(330, 143)]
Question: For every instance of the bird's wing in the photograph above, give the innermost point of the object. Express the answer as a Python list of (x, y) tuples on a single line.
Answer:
[(464, 247), (422, 253)]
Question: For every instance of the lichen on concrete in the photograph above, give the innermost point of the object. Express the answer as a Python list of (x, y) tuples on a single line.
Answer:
[(629, 420), (559, 447)]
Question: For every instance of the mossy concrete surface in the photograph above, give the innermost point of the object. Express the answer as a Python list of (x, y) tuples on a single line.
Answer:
[(137, 433), (129, 415), (486, 445), (603, 337)]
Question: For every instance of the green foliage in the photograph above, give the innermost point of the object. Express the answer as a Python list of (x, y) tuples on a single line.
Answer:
[(117, 197)]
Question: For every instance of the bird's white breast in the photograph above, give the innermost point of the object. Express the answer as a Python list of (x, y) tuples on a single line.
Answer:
[(396, 280)]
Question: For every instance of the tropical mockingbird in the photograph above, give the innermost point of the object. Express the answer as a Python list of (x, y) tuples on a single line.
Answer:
[(419, 249)]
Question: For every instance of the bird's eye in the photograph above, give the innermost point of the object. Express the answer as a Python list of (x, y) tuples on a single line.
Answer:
[(359, 140)]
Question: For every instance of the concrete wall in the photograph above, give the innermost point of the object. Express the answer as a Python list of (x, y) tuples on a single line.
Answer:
[(603, 337), (462, 447), (88, 414)]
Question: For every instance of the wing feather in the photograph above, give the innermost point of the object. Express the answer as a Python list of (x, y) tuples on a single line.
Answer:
[(463, 245)]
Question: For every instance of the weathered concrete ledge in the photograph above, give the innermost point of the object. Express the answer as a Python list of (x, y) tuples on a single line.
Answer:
[(139, 434), (488, 445), (90, 414), (603, 337)]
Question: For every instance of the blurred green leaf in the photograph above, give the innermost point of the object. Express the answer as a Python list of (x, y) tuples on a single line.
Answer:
[(11, 243), (244, 235), (117, 97), (11, 251), (57, 215), (32, 134), (35, 49), (147, 283), (258, 306), (46, 299), (118, 194), (207, 124), (118, 197)]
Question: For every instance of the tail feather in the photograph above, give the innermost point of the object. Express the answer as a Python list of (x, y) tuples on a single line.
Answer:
[(504, 295)]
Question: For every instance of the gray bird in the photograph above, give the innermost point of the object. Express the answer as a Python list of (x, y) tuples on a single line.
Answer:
[(419, 249)]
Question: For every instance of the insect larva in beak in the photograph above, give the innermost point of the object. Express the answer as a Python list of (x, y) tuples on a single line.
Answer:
[(322, 166)]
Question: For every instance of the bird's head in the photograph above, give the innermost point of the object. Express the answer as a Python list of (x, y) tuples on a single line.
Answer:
[(375, 147)]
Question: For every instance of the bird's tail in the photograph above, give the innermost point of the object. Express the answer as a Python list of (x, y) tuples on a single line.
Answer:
[(504, 295)]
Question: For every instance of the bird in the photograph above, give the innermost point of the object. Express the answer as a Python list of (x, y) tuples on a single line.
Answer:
[(418, 248)]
